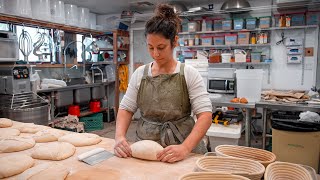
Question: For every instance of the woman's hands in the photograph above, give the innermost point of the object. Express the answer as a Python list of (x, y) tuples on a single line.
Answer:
[(173, 153), (122, 148)]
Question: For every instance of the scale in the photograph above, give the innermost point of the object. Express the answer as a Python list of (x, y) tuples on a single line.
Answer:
[(14, 80)]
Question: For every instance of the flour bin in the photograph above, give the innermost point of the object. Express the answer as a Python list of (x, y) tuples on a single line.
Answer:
[(249, 84)]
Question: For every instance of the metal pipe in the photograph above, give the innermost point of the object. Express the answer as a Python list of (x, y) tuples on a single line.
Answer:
[(65, 56)]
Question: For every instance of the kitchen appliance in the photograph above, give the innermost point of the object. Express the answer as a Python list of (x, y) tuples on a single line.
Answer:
[(14, 80), (236, 6), (8, 46), (26, 107), (221, 80)]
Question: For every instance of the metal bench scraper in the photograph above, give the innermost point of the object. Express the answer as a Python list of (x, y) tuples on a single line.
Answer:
[(95, 156)]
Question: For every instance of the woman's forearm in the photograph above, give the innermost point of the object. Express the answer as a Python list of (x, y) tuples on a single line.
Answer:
[(122, 123), (199, 130)]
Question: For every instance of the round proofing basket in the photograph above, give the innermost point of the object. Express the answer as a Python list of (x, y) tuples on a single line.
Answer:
[(284, 170), (236, 166), (211, 175), (262, 156)]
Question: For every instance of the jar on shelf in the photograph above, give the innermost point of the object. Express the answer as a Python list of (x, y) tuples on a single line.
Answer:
[(214, 56)]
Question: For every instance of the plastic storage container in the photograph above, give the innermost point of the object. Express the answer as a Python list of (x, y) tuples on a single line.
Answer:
[(264, 22), (57, 11), (92, 122), (84, 17), (217, 24), (218, 40), (256, 57), (249, 84), (227, 24), (71, 14), (230, 39), (251, 23), (209, 24), (243, 37), (313, 18), (238, 24), (298, 19), (220, 135), (41, 9), (206, 40), (193, 26)]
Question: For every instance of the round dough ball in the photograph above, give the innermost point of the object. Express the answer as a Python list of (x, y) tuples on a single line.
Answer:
[(8, 132), (55, 151), (81, 139), (5, 122), (146, 149), (14, 144), (28, 127), (95, 173), (14, 164), (48, 135), (47, 171)]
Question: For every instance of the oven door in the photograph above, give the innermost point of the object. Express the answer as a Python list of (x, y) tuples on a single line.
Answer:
[(220, 85)]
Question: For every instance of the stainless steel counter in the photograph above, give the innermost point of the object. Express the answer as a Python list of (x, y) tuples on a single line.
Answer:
[(74, 87), (224, 100), (284, 107)]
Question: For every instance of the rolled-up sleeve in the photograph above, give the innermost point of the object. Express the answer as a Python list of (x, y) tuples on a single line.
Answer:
[(199, 97)]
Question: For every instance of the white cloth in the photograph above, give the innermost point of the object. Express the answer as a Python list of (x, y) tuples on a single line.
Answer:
[(198, 95)]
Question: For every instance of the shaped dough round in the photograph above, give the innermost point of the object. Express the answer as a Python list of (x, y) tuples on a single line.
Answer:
[(95, 173), (8, 132), (53, 151), (146, 149), (47, 171), (48, 135), (14, 144), (5, 122), (81, 139), (14, 164)]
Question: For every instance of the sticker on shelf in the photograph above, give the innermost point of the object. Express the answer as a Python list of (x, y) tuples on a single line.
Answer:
[(294, 59)]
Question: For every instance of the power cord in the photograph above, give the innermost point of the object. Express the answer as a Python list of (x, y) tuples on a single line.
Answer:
[(282, 39)]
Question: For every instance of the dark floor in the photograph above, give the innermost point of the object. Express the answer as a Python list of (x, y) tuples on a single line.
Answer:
[(109, 132)]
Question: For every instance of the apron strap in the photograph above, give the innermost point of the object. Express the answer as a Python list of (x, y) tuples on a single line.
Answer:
[(145, 71), (168, 133), (182, 69)]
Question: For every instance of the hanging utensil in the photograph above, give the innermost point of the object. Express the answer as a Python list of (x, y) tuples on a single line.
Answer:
[(38, 44), (25, 44)]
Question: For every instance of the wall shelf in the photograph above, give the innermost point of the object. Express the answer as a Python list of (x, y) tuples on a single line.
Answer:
[(111, 49), (17, 20), (228, 46), (240, 63)]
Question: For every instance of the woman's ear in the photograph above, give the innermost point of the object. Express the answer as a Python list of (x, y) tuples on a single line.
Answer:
[(176, 41)]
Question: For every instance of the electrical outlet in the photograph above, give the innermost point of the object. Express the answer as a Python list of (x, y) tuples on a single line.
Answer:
[(308, 51)]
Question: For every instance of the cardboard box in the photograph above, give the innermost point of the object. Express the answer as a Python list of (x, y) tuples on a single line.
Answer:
[(297, 147)]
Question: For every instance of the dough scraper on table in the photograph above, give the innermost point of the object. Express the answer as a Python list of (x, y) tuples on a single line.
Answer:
[(95, 156)]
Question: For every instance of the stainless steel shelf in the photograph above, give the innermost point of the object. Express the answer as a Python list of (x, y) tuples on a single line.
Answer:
[(228, 46), (240, 63), (294, 27), (100, 62)]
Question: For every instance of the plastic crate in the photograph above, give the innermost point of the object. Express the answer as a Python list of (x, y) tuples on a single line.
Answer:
[(92, 122), (217, 24), (265, 22), (298, 19), (251, 23), (238, 24), (313, 18)]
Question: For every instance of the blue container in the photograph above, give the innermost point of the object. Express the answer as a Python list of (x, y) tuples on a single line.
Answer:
[(298, 19), (238, 24), (217, 25), (251, 23), (313, 18), (265, 22), (227, 24)]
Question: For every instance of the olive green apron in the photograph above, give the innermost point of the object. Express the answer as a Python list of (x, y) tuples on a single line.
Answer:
[(165, 109)]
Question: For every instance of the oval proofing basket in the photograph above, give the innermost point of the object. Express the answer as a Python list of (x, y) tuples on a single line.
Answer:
[(211, 175), (260, 155), (237, 166), (284, 170)]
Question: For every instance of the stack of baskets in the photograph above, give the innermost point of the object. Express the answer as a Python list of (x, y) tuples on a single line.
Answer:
[(262, 156), (210, 175), (237, 166), (284, 170)]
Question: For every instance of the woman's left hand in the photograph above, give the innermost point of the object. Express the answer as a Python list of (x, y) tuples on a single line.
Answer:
[(173, 153)]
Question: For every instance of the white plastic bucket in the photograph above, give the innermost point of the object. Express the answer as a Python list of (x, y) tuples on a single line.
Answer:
[(84, 16), (249, 84), (41, 10), (57, 11), (71, 14), (225, 57)]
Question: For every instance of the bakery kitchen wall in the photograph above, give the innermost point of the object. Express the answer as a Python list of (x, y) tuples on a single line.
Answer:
[(282, 75)]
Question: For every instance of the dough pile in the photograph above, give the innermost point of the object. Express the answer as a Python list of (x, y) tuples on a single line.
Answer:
[(5, 122), (95, 174), (14, 164), (53, 151), (14, 144), (46, 171), (48, 135), (146, 149), (81, 139), (8, 132)]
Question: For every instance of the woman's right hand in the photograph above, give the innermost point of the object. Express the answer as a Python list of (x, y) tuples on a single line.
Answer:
[(122, 148)]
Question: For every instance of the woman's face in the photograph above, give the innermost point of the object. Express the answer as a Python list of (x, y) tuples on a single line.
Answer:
[(160, 48)]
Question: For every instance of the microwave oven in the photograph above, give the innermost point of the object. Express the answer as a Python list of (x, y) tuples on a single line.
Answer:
[(221, 85)]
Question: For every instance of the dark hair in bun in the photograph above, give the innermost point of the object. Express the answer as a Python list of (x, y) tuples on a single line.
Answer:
[(165, 22)]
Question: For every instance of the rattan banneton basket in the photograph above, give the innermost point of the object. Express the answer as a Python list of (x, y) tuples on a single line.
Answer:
[(260, 155), (210, 176), (284, 170), (230, 165)]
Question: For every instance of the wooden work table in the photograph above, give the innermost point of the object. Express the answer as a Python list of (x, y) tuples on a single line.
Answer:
[(130, 168)]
